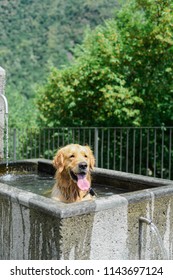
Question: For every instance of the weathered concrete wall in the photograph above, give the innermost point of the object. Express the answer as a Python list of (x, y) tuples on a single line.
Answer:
[(30, 233), (99, 235), (160, 210), (26, 233), (36, 227), (114, 233)]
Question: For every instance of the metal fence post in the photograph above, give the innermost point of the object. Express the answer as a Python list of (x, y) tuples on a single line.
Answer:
[(96, 145), (14, 144), (3, 111)]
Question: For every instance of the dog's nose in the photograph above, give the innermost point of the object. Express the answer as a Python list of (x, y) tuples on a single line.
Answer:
[(82, 165)]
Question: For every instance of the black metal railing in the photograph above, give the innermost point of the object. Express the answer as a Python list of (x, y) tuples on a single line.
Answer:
[(143, 150)]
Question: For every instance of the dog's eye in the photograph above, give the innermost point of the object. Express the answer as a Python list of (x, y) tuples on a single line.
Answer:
[(72, 156), (86, 156)]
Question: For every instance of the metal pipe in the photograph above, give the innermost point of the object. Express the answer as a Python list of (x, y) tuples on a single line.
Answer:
[(5, 103), (157, 234), (96, 139), (145, 220), (141, 221)]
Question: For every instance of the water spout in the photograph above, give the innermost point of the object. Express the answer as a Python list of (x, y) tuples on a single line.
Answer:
[(145, 220), (156, 232)]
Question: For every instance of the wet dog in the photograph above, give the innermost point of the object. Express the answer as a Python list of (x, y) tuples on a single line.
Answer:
[(73, 179)]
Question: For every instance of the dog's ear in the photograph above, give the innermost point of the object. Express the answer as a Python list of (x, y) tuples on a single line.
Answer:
[(91, 157), (58, 161)]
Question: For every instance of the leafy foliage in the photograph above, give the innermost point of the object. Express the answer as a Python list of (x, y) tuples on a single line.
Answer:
[(146, 29), (36, 35), (91, 91), (122, 74)]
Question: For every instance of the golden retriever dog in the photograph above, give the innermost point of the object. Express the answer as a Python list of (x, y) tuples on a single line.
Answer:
[(73, 180)]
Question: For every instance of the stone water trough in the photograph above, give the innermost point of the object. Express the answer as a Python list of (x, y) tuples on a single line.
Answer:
[(119, 224)]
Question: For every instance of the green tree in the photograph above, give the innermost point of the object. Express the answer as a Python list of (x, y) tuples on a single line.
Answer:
[(146, 30), (91, 91), (122, 74)]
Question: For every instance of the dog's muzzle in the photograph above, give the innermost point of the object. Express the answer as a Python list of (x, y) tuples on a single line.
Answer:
[(80, 176)]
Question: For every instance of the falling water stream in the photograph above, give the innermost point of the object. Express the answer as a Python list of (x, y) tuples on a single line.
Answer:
[(156, 232)]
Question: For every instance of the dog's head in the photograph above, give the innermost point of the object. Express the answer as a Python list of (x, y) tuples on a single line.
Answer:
[(76, 161)]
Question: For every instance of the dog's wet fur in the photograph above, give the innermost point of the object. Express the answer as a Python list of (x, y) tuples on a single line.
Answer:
[(73, 165)]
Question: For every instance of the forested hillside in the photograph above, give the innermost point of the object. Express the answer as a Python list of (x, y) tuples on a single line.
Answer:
[(36, 35)]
